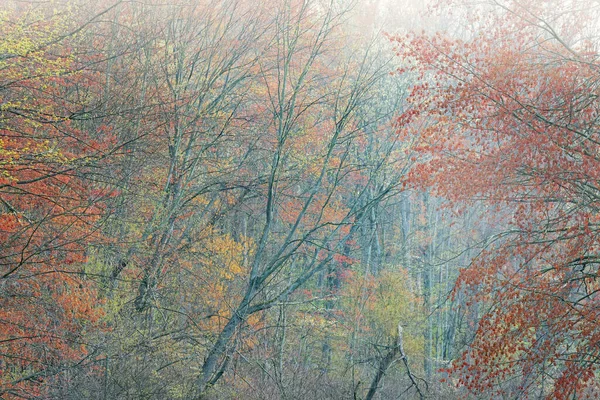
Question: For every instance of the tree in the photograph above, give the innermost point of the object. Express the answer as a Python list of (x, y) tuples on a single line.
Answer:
[(48, 210), (384, 320), (510, 118), (178, 97), (305, 222)]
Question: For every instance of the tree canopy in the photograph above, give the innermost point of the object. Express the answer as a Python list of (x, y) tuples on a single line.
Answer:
[(275, 200)]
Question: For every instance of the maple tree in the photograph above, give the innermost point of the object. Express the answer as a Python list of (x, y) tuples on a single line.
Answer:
[(48, 213), (508, 117)]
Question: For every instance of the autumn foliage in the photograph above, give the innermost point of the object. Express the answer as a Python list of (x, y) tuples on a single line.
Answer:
[(239, 199), (509, 118), (48, 214)]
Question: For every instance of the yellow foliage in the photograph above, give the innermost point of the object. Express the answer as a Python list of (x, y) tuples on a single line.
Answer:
[(377, 304)]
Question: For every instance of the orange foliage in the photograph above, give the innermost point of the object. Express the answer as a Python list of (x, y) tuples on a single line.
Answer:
[(510, 118), (47, 210)]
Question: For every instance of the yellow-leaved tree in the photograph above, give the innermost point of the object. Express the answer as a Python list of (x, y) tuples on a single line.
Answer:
[(384, 325)]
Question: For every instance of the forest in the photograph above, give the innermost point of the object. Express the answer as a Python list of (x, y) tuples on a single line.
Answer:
[(299, 199)]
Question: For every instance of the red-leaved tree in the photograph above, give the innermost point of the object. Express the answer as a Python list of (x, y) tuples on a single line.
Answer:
[(48, 208), (510, 117)]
